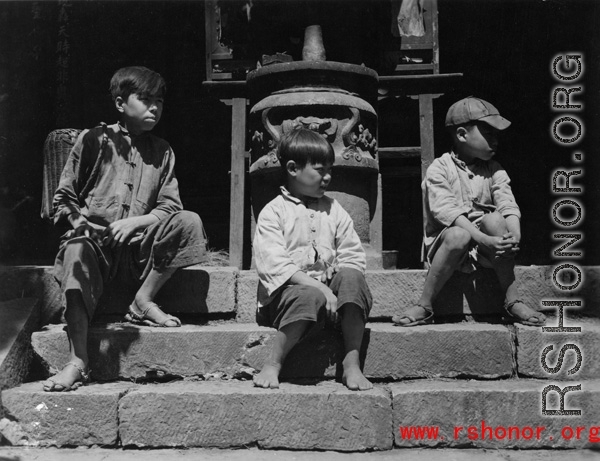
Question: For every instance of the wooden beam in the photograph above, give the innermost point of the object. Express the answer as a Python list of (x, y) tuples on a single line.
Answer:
[(398, 152), (238, 178), (403, 85)]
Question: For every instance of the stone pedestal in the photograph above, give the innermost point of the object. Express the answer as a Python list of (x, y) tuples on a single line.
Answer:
[(334, 99)]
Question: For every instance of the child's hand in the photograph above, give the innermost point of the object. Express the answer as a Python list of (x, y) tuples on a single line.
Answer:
[(331, 305), (119, 232), (498, 246), (85, 230), (513, 241)]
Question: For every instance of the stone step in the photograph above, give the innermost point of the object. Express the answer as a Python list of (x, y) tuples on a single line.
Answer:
[(19, 318), (228, 292), (124, 351), (326, 416), (477, 350)]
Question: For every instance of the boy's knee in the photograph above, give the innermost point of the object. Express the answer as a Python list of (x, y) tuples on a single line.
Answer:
[(78, 247), (314, 296), (493, 224), (456, 239), (188, 219)]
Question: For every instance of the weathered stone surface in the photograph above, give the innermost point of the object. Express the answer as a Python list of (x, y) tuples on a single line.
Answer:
[(395, 291), (18, 319), (451, 350), (33, 282), (246, 297), (126, 351), (531, 342), (497, 404), (85, 417), (234, 414), (192, 290), (474, 350), (392, 292)]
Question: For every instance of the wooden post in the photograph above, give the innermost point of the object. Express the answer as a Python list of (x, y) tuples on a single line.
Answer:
[(426, 126), (238, 177)]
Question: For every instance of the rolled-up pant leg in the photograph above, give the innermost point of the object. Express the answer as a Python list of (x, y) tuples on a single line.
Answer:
[(80, 265), (350, 286), (176, 241)]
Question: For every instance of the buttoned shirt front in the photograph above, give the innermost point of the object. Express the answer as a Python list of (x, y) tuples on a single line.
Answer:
[(136, 176), (452, 188), (292, 235)]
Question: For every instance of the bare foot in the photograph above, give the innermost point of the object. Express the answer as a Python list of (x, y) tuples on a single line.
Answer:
[(72, 376), (268, 377), (353, 377), (524, 314), (416, 315)]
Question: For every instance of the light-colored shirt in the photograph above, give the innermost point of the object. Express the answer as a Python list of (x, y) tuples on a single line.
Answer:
[(136, 177), (294, 236), (452, 188)]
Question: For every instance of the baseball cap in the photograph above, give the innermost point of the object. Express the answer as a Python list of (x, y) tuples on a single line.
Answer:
[(472, 109)]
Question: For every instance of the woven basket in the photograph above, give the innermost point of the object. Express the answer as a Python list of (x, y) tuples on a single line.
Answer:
[(57, 147)]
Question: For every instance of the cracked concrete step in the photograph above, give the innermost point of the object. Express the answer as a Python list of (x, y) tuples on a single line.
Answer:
[(203, 414), (480, 414), (125, 351)]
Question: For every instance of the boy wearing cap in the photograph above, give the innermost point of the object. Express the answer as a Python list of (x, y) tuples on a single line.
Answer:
[(471, 213)]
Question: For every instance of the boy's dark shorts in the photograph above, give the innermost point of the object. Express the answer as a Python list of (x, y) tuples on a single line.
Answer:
[(301, 302)]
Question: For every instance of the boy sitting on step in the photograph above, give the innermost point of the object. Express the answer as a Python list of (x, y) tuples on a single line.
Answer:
[(119, 194), (309, 259), (471, 213)]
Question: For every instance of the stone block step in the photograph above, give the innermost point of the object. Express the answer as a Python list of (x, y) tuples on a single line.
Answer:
[(395, 291), (19, 318), (495, 414), (194, 290), (229, 292), (326, 416), (124, 351)]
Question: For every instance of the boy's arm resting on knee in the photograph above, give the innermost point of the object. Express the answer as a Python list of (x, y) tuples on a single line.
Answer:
[(302, 278), (514, 226), (493, 243), (349, 249), (121, 231), (168, 200)]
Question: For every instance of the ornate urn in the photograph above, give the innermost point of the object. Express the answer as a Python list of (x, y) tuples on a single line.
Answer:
[(332, 98)]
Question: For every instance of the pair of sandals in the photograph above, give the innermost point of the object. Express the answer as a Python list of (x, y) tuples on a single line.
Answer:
[(412, 318)]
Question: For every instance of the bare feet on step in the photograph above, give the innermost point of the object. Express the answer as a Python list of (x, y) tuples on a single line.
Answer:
[(353, 378), (268, 377)]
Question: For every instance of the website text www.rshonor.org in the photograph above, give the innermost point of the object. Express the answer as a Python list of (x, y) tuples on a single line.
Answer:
[(489, 432)]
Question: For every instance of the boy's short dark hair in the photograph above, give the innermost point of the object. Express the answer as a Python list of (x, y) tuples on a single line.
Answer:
[(139, 80), (304, 146)]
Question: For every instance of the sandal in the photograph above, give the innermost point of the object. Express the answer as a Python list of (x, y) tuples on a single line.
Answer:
[(525, 320), (413, 320), (142, 319), (84, 378)]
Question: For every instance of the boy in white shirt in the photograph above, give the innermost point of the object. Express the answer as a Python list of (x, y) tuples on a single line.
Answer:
[(309, 260)]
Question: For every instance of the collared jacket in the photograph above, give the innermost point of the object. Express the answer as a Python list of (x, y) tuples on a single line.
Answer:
[(135, 177), (294, 236), (451, 189)]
